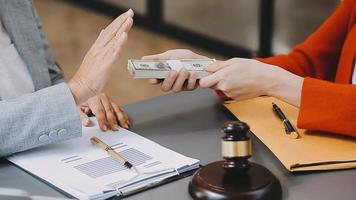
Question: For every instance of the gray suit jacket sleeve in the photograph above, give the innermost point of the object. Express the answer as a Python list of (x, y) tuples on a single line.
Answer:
[(55, 72), (43, 117)]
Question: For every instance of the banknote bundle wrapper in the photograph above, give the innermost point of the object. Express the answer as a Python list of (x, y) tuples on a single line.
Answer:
[(141, 69)]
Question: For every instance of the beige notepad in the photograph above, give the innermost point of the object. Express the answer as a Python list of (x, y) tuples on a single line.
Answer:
[(313, 151)]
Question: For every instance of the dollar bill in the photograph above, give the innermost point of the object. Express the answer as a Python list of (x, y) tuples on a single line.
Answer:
[(141, 69)]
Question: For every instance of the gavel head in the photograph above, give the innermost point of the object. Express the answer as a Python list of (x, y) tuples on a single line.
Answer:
[(236, 146)]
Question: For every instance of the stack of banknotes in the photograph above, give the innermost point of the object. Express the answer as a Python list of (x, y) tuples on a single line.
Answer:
[(141, 69)]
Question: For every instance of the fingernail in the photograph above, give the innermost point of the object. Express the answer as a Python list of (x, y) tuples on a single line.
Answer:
[(186, 72), (116, 127), (126, 126), (129, 11), (86, 121), (86, 110), (122, 35), (105, 128), (172, 74)]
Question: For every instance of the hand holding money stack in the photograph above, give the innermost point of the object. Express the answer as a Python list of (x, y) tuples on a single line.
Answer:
[(159, 69)]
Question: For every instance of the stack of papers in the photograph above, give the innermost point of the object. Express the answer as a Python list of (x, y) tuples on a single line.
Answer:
[(86, 171)]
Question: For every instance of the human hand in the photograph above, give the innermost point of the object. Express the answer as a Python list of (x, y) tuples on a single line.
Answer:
[(96, 67), (176, 81), (240, 79), (106, 111)]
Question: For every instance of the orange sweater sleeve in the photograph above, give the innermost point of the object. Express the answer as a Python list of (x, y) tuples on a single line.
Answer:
[(328, 107), (324, 105)]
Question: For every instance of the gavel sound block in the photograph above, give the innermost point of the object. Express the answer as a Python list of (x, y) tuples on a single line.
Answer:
[(235, 177)]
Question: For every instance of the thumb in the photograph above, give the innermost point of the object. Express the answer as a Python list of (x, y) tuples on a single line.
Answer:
[(215, 66), (209, 81)]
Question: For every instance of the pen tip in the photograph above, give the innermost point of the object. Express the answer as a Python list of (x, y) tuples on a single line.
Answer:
[(294, 135), (135, 169)]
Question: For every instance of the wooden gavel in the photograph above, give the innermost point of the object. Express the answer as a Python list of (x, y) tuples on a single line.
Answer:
[(235, 177)]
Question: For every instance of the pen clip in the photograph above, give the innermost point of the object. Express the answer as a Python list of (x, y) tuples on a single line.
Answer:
[(108, 148)]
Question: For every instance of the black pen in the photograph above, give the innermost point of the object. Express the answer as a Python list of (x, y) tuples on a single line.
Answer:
[(290, 130)]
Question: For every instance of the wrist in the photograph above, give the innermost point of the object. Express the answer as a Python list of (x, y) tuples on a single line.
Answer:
[(79, 91), (74, 88), (271, 81), (286, 86)]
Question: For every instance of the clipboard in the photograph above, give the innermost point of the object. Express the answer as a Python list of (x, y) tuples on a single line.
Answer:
[(89, 172), (122, 195), (314, 151), (164, 182)]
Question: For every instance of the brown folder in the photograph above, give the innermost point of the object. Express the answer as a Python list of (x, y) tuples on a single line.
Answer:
[(312, 151)]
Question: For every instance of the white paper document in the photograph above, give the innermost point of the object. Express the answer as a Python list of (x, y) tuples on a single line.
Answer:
[(86, 171)]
